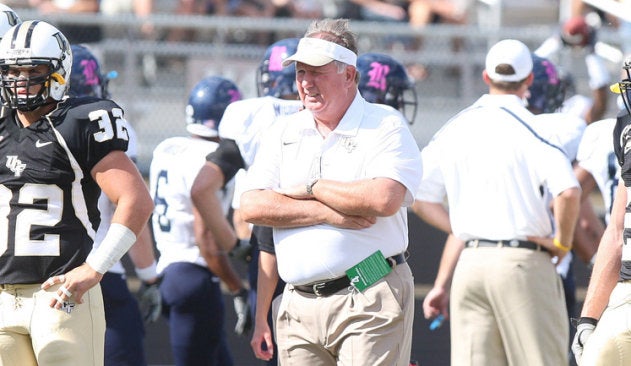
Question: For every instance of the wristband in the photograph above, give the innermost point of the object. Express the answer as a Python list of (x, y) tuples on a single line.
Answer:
[(587, 320), (117, 241), (560, 246), (148, 273)]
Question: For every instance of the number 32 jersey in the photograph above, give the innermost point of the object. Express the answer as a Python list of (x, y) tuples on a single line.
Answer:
[(48, 198)]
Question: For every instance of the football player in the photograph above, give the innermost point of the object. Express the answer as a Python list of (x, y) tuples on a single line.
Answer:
[(124, 322), (191, 261), (602, 332), (59, 154), (248, 119)]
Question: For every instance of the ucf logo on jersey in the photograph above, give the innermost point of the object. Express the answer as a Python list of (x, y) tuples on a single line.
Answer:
[(15, 165)]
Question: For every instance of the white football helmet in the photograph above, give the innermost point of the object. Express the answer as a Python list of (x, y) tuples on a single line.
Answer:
[(8, 18), (33, 43)]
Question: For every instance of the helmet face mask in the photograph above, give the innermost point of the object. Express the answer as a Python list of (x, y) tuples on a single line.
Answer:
[(384, 80), (32, 86), (272, 79), (624, 86), (33, 43)]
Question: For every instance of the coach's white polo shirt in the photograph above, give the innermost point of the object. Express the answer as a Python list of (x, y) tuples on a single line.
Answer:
[(370, 141)]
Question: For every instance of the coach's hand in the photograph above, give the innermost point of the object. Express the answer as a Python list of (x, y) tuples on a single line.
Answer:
[(150, 301), (584, 328)]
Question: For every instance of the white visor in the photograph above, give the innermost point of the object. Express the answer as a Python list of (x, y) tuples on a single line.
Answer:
[(318, 52)]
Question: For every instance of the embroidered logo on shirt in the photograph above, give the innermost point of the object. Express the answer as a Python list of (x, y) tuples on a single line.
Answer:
[(39, 143), (349, 144), (15, 165)]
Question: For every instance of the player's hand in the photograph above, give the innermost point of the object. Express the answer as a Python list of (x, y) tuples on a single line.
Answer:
[(242, 309), (150, 301), (72, 286), (242, 250), (584, 329), (262, 343)]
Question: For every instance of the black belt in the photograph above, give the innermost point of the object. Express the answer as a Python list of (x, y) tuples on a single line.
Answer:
[(505, 243), (328, 288)]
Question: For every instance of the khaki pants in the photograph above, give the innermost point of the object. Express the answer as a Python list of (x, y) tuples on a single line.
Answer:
[(373, 327), (507, 308), (33, 333), (610, 344)]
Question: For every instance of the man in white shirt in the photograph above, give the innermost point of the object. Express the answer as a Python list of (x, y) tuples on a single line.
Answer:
[(487, 162), (333, 180)]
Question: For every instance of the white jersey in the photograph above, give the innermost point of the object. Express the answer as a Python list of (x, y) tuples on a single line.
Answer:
[(107, 208), (174, 167), (596, 155), (561, 129), (245, 120)]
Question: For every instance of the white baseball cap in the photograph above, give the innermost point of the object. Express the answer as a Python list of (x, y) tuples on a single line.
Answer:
[(511, 52), (319, 52)]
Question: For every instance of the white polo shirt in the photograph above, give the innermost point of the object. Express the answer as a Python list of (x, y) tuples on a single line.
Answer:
[(370, 141), (493, 169)]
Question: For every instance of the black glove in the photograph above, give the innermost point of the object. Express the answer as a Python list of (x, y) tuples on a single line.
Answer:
[(584, 328), (150, 301), (242, 250), (242, 309)]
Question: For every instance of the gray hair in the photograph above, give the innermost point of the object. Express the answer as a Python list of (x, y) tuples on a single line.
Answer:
[(334, 30)]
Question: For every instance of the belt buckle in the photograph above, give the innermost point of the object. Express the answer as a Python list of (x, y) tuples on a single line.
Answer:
[(316, 289), (392, 262)]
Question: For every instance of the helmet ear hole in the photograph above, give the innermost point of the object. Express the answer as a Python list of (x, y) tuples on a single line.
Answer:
[(58, 78)]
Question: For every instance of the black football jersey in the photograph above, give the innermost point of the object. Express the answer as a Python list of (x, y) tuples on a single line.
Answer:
[(48, 198)]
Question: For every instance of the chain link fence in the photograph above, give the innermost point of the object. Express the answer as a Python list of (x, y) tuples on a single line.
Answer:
[(155, 75)]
